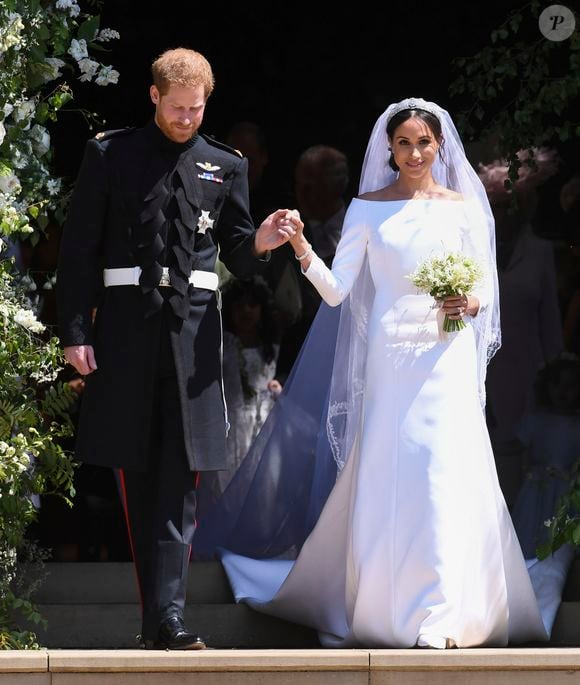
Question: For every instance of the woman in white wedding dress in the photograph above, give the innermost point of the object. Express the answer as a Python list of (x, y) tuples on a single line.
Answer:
[(414, 545)]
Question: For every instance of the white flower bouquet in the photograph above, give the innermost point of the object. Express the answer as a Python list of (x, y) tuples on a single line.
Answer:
[(448, 275)]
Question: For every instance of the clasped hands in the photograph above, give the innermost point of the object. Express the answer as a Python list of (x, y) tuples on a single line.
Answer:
[(281, 226)]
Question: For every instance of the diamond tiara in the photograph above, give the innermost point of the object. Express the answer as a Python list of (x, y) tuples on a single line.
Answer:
[(415, 103)]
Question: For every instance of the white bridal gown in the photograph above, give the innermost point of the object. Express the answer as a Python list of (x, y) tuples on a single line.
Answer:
[(415, 542)]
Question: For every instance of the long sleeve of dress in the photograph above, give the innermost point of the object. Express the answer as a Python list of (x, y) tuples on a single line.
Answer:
[(335, 284)]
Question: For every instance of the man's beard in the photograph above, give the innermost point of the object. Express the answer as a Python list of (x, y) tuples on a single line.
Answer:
[(174, 132)]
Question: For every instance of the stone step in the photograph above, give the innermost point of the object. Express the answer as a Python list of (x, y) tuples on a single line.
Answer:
[(572, 588), (566, 631), (96, 605), (114, 583), (295, 667), (114, 626), (110, 583)]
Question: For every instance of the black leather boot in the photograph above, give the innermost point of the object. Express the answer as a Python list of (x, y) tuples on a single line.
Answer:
[(174, 635)]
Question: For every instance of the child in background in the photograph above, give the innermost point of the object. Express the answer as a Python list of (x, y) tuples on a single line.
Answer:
[(250, 353)]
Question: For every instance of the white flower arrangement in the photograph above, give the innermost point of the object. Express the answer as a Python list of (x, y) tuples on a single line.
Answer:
[(28, 319), (88, 68), (39, 41), (78, 49), (107, 75), (447, 275), (105, 35), (70, 6), (11, 29)]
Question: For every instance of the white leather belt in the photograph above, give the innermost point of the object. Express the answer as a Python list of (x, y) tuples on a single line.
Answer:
[(130, 276)]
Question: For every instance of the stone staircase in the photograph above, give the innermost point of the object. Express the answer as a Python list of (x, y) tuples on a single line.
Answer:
[(96, 606), (566, 631), (93, 611)]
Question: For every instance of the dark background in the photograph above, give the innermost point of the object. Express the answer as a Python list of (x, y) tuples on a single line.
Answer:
[(304, 79)]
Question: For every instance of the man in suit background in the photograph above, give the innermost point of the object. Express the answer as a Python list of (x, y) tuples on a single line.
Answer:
[(139, 316)]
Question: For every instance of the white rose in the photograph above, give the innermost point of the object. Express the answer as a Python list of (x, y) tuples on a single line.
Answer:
[(27, 319), (2, 132), (9, 183)]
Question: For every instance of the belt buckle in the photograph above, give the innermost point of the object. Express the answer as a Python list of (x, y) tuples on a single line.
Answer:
[(165, 282)]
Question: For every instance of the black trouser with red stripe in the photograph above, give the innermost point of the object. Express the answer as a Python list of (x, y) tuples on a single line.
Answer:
[(160, 505)]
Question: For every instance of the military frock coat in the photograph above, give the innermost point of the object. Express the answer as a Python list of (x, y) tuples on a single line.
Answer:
[(139, 199)]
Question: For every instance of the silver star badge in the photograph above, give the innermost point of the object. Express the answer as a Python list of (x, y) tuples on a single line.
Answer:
[(204, 222), (207, 166)]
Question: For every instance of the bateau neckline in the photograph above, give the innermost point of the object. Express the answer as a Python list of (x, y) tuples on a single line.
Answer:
[(419, 199)]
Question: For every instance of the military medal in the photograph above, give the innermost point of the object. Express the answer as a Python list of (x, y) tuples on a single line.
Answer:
[(206, 176), (207, 172), (204, 222)]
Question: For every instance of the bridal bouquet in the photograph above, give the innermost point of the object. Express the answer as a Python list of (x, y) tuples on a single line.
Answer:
[(451, 274)]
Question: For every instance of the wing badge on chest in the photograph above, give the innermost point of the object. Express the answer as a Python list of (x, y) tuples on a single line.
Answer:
[(208, 170)]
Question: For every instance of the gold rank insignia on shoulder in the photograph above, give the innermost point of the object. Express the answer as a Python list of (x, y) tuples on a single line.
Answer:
[(207, 166), (100, 135)]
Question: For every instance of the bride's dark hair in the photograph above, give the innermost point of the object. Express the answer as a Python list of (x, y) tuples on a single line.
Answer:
[(400, 117)]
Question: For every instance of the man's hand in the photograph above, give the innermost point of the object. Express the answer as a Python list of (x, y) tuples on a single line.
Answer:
[(277, 229), (82, 357)]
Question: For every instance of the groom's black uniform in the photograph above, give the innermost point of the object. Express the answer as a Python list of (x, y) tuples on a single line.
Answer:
[(154, 409)]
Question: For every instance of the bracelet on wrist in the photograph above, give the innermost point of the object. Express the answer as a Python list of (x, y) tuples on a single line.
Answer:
[(306, 254)]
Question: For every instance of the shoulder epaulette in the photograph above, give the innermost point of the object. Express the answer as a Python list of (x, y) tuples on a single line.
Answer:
[(106, 135), (221, 146)]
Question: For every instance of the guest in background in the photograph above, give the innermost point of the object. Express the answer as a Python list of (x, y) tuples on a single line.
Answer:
[(570, 202), (321, 183), (550, 438), (251, 349), (530, 314), (249, 139)]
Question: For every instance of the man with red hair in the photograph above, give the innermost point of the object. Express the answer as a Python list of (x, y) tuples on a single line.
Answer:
[(150, 209)]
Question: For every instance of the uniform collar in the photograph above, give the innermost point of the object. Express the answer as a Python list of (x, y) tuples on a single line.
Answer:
[(165, 144)]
